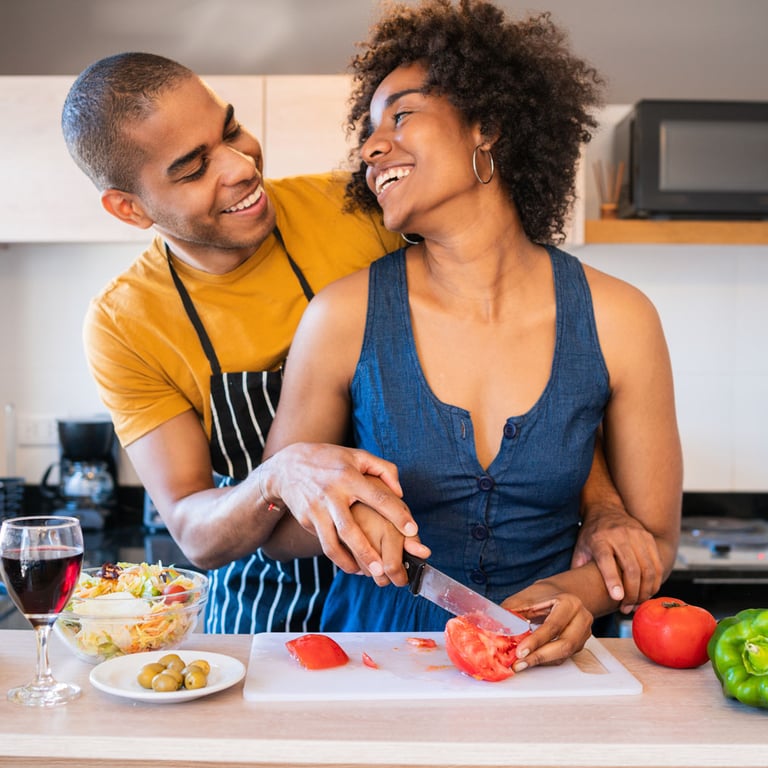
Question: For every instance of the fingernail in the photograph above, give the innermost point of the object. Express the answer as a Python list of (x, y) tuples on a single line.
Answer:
[(410, 529), (376, 569), (617, 593), (520, 666), (521, 654)]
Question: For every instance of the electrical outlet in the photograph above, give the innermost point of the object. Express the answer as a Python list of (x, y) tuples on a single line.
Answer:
[(36, 430)]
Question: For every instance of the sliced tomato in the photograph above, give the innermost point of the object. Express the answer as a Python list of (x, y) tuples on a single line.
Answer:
[(175, 593), (421, 642), (478, 652), (369, 662), (314, 651)]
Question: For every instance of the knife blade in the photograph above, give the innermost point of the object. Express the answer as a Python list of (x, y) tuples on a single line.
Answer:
[(426, 581)]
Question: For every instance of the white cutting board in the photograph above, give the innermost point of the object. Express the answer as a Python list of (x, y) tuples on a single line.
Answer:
[(417, 673)]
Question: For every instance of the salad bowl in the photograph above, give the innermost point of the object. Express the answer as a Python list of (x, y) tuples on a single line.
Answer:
[(128, 608)]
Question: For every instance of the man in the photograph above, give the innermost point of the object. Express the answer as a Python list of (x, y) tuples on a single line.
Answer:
[(187, 346)]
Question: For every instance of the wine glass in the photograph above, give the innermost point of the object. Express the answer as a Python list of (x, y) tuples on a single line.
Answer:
[(40, 564)]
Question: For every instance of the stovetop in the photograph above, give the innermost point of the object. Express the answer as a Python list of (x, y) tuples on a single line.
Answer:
[(723, 542)]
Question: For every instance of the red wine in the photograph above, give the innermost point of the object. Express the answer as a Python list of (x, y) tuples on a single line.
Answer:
[(42, 584)]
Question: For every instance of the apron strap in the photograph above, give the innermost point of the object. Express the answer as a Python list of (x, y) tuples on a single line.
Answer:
[(308, 292), (186, 300), (194, 318)]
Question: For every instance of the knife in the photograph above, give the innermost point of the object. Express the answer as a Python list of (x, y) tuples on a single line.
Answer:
[(454, 597)]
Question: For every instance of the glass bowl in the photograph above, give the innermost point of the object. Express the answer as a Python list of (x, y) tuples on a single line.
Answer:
[(151, 608)]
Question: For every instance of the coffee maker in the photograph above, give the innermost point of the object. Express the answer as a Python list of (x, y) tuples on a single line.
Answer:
[(87, 480)]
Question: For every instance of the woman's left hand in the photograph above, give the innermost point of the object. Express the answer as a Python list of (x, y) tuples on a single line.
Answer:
[(566, 626)]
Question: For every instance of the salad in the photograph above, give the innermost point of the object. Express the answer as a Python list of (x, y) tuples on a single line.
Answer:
[(127, 608)]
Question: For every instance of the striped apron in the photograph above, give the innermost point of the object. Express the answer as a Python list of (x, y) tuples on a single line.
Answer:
[(255, 593)]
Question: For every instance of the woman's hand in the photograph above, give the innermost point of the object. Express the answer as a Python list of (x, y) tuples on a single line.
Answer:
[(390, 543), (565, 627)]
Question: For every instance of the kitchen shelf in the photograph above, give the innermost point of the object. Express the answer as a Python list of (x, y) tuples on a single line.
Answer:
[(676, 231)]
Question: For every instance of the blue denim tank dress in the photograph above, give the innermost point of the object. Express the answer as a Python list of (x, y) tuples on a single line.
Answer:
[(495, 530)]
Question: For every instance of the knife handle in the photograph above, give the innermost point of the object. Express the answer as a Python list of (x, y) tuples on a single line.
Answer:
[(414, 567)]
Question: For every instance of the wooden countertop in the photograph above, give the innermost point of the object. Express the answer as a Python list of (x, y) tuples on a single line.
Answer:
[(680, 719)]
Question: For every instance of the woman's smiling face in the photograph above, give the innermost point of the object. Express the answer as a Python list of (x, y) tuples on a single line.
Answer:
[(419, 154)]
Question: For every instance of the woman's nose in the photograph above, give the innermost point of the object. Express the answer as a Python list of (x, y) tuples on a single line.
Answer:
[(376, 144)]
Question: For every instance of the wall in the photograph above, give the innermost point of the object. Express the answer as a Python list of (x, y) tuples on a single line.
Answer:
[(712, 302)]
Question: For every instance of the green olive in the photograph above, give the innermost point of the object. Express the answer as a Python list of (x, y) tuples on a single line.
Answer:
[(202, 664), (196, 678), (148, 672), (164, 683), (172, 661), (175, 674)]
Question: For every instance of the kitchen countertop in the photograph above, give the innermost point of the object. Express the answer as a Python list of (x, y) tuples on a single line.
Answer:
[(680, 719)]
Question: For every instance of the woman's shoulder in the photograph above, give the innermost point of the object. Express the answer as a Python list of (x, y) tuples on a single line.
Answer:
[(617, 296)]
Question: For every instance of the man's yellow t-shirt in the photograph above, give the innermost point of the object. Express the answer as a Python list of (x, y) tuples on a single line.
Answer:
[(142, 349)]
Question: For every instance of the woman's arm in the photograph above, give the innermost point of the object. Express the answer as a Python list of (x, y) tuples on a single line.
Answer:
[(644, 456), (315, 408)]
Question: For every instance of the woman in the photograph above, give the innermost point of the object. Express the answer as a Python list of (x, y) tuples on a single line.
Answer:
[(481, 359)]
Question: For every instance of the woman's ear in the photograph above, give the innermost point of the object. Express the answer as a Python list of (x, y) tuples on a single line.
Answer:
[(126, 207)]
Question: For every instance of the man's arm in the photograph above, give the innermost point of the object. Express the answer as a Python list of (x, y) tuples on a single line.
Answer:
[(214, 526), (625, 552)]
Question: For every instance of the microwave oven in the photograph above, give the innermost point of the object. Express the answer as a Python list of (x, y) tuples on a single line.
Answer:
[(693, 159)]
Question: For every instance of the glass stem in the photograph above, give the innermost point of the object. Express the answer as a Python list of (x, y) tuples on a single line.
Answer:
[(43, 677)]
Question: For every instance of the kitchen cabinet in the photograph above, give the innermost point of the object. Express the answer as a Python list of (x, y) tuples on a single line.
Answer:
[(47, 199)]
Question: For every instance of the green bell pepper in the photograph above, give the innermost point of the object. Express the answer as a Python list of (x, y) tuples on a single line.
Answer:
[(738, 650)]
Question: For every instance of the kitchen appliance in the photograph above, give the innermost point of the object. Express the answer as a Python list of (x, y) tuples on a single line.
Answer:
[(407, 673), (722, 563), (693, 159), (724, 543), (87, 477)]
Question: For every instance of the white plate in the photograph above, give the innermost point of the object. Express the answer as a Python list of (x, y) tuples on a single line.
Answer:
[(118, 676)]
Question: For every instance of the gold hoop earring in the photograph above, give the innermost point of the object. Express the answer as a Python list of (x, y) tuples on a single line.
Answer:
[(474, 165), (411, 242)]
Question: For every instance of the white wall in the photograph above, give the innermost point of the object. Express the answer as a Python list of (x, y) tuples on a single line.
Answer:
[(44, 292), (713, 301)]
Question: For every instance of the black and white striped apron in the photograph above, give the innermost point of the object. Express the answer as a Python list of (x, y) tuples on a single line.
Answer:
[(255, 593)]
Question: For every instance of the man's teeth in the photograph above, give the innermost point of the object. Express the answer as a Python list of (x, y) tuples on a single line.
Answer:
[(390, 175), (247, 203)]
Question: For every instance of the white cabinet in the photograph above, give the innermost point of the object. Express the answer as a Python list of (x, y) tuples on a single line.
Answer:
[(45, 198)]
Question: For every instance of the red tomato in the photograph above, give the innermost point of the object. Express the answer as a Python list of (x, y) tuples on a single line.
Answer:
[(673, 633), (421, 642), (369, 662), (175, 593), (317, 651), (479, 653)]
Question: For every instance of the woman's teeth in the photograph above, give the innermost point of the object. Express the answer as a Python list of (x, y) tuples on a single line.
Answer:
[(389, 176)]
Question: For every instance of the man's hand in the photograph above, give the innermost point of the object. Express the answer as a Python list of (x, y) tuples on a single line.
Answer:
[(624, 551), (319, 483)]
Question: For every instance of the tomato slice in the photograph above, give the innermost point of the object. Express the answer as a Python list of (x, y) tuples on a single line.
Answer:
[(478, 652), (175, 593), (421, 642), (314, 651), (369, 662)]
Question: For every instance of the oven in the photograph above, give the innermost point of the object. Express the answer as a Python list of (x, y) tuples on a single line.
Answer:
[(722, 559)]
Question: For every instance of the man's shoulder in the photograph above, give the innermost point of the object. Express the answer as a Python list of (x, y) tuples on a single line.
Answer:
[(317, 188), (139, 276)]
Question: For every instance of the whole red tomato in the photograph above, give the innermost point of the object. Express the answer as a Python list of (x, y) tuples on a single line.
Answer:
[(673, 633), (479, 653)]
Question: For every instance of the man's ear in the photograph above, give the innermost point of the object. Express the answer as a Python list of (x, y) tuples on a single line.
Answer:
[(125, 206)]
